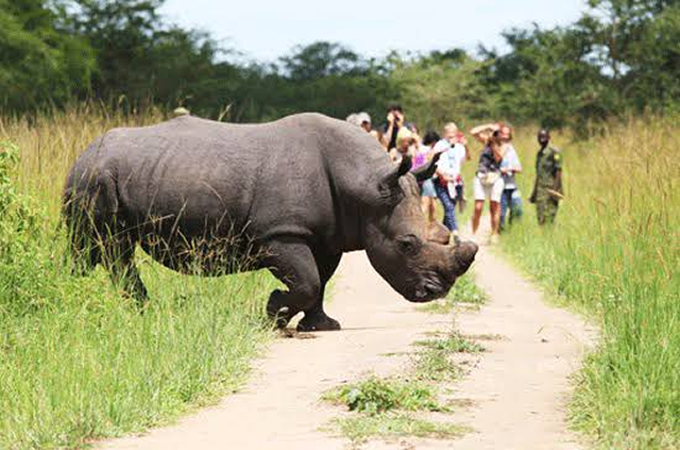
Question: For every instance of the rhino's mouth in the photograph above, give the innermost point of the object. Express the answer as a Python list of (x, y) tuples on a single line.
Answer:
[(430, 287)]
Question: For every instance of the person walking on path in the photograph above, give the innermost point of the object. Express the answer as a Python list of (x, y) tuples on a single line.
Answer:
[(457, 140), (511, 200), (427, 190), (448, 172), (548, 184), (488, 183)]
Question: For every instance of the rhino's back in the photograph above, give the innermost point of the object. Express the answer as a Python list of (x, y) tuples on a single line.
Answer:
[(194, 175)]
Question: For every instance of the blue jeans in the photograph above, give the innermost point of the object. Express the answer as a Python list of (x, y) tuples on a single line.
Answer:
[(449, 205), (511, 199)]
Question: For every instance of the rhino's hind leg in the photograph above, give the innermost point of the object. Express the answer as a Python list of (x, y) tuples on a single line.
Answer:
[(124, 273), (316, 318)]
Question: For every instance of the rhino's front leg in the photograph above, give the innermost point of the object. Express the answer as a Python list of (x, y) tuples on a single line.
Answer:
[(316, 318), (293, 263)]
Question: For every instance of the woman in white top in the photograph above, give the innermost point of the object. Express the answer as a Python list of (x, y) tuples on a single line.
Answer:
[(488, 182), (511, 199)]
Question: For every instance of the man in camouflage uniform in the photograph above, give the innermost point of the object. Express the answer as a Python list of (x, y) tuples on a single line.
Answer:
[(548, 185)]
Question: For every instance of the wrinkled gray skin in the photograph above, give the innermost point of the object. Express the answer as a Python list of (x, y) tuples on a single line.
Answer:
[(291, 195)]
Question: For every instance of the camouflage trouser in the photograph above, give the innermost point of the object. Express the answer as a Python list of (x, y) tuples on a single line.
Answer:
[(546, 208)]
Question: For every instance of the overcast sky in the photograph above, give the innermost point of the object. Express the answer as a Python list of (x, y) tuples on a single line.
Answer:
[(265, 30)]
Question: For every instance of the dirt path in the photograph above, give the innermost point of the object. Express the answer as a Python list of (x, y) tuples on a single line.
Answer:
[(518, 387)]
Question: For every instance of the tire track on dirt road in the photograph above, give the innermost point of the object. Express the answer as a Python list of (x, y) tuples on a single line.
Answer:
[(518, 388)]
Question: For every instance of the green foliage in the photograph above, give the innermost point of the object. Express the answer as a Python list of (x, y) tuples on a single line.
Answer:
[(376, 395), (453, 343), (614, 253), (39, 62), (435, 90), (361, 429), (77, 359), (435, 363), (620, 56), (465, 292)]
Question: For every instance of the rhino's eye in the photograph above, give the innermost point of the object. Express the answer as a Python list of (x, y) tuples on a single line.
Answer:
[(409, 244)]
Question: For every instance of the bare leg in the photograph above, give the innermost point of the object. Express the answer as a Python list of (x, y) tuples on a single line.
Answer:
[(476, 216), (495, 215)]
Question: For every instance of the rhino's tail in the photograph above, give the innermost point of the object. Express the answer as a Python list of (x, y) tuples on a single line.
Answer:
[(84, 245)]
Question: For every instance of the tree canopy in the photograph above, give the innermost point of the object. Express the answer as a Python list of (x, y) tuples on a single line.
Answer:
[(621, 56)]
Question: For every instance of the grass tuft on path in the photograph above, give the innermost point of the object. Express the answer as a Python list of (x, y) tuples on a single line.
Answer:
[(387, 407), (395, 424), (377, 395), (465, 292)]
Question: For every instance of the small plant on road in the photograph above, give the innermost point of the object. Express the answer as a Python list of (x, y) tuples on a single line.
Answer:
[(360, 429), (390, 407), (465, 292), (376, 395), (452, 342)]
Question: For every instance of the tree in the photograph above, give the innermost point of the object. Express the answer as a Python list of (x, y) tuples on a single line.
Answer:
[(322, 59), (38, 61), (436, 90), (638, 47), (122, 34)]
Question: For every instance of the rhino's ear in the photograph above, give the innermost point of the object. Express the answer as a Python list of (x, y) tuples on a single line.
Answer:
[(426, 171), (390, 191)]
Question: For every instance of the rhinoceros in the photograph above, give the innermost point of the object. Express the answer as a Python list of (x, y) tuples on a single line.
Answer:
[(291, 195)]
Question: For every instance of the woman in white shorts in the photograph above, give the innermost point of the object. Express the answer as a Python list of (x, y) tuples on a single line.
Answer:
[(488, 183)]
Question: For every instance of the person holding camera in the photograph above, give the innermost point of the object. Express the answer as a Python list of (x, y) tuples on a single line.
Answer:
[(395, 121)]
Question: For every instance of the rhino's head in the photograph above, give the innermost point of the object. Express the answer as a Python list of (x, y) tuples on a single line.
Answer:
[(415, 258)]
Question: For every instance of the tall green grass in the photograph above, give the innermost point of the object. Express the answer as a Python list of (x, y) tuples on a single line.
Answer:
[(614, 253), (77, 360)]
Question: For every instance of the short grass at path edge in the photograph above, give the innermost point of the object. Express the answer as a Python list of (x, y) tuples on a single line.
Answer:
[(613, 254)]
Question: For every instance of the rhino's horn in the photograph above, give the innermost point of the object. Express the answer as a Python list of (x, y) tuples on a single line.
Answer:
[(389, 185), (426, 171), (404, 166)]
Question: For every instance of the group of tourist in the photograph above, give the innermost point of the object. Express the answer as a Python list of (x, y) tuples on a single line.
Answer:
[(495, 177)]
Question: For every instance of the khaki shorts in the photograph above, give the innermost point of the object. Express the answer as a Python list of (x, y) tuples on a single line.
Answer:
[(492, 192)]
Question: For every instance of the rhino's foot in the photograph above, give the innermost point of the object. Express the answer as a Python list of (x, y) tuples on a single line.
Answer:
[(318, 322)]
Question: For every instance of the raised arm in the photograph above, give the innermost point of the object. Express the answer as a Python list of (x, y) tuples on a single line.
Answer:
[(483, 132)]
